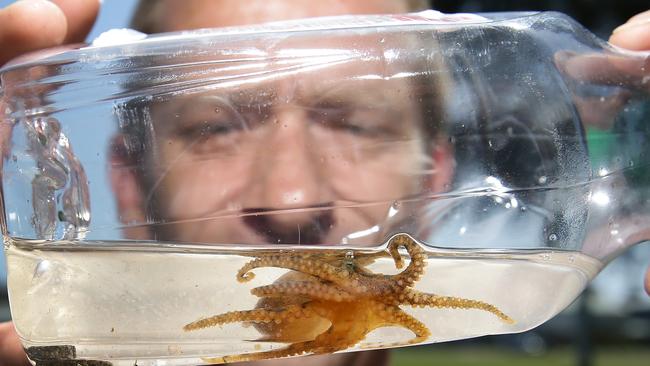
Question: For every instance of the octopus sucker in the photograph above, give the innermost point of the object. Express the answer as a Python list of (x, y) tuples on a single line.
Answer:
[(256, 315), (416, 298), (327, 304), (300, 264), (321, 291)]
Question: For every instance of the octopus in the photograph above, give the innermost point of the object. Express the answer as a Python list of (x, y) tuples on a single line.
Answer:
[(324, 305)]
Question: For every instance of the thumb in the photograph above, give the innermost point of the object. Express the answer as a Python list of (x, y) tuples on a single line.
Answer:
[(11, 350), (635, 34), (30, 25)]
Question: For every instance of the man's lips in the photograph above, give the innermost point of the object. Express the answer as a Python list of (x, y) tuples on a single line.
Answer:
[(309, 228)]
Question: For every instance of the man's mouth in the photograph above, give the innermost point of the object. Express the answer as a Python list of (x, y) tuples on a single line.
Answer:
[(309, 228)]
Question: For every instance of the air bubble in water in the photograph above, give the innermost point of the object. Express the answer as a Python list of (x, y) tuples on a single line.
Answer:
[(41, 268), (572, 258), (349, 257), (552, 237)]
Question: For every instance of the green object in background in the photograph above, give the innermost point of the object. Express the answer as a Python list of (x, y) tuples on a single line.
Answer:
[(600, 143), (622, 146), (445, 355)]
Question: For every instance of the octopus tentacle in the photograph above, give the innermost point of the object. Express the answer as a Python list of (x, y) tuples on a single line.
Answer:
[(257, 315), (415, 269), (322, 270), (393, 315), (399, 317), (294, 349), (327, 342), (421, 299), (311, 289)]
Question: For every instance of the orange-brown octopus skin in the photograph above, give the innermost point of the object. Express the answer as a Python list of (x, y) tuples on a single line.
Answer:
[(325, 306)]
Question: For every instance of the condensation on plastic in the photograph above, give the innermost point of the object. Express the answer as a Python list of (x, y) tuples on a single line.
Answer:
[(464, 131)]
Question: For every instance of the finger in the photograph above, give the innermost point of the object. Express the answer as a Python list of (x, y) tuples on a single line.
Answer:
[(81, 15), (11, 350), (633, 35), (640, 17), (605, 69), (30, 25)]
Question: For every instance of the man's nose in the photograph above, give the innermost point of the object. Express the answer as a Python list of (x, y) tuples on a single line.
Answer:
[(290, 200)]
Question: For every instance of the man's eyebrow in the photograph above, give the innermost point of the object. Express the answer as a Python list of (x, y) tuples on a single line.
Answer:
[(253, 96), (358, 92), (236, 98)]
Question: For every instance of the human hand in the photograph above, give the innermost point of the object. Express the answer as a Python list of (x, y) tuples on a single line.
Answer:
[(635, 35), (632, 72), (29, 25), (11, 350)]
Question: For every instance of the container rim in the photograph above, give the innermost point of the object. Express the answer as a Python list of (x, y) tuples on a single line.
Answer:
[(111, 41)]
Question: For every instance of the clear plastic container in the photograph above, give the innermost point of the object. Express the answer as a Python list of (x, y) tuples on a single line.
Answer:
[(246, 193)]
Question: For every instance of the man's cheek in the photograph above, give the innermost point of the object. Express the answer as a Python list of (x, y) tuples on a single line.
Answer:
[(647, 281), (193, 190)]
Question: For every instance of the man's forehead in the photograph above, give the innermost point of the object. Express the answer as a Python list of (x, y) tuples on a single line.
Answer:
[(173, 15), (368, 90)]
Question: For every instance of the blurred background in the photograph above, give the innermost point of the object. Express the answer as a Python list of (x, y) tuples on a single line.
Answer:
[(608, 325)]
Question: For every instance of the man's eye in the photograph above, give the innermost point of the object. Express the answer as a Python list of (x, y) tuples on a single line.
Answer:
[(219, 128), (354, 128), (346, 120), (210, 137), (207, 129)]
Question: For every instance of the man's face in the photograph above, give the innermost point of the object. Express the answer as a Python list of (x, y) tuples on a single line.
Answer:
[(318, 155), (266, 161)]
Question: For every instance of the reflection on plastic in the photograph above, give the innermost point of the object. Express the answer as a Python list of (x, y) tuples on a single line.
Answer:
[(60, 187)]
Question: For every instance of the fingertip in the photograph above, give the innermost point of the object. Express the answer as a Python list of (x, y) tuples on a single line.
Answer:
[(640, 17), (11, 350), (40, 21), (632, 35), (30, 25)]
